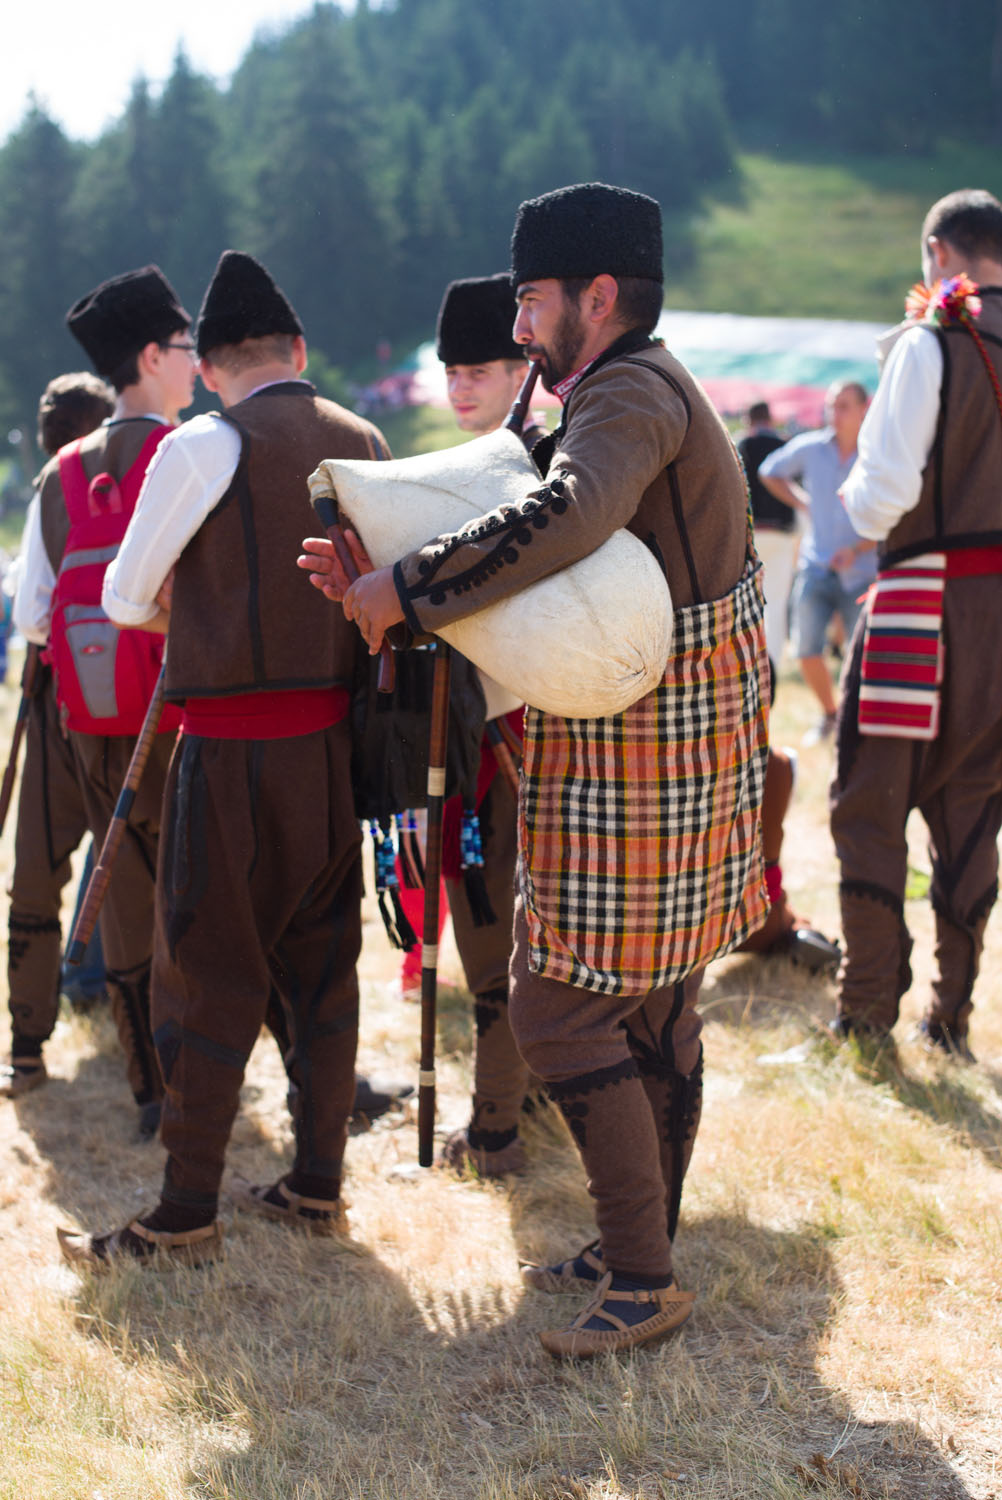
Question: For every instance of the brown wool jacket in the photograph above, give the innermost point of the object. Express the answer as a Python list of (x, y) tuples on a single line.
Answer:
[(639, 446)]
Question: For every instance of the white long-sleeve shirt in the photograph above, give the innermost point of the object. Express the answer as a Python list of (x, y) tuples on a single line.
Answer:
[(36, 580), (190, 473), (896, 437)]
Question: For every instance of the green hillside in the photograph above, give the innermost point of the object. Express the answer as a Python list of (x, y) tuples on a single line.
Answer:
[(819, 237)]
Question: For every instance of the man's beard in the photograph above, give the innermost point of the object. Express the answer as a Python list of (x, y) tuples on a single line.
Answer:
[(563, 355)]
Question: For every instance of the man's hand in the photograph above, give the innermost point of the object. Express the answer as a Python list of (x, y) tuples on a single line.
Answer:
[(326, 573), (787, 490), (847, 557), (166, 592), (371, 601)]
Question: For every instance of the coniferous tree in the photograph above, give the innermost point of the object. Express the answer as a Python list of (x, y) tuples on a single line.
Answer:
[(38, 166)]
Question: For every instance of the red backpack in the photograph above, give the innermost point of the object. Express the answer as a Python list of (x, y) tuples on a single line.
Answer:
[(104, 676)]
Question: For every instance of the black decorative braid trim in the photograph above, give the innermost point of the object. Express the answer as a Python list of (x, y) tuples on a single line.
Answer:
[(867, 891), (514, 528), (590, 1083), (490, 1140), (410, 618), (28, 924)]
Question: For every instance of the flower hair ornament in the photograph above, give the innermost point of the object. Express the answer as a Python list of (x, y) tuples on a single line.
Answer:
[(952, 300)]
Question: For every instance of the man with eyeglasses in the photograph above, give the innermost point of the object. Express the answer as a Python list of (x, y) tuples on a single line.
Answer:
[(135, 333)]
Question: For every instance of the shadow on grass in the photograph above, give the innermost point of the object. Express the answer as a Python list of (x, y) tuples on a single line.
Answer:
[(308, 1368), (949, 1100)]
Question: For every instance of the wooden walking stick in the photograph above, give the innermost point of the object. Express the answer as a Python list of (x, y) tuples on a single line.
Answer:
[(28, 677), (97, 886), (432, 892)]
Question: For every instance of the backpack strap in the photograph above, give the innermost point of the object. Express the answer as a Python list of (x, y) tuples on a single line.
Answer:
[(132, 482), (104, 494), (74, 482)]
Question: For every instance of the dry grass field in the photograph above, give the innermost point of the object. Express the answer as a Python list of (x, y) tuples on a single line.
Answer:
[(841, 1226)]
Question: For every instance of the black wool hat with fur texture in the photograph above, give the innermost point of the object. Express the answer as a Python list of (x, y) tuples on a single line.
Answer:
[(475, 321), (123, 315), (242, 302), (590, 229)]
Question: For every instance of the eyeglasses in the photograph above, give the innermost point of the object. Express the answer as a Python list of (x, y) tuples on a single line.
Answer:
[(189, 349)]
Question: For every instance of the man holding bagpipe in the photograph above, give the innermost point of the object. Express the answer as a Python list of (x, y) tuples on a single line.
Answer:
[(640, 855)]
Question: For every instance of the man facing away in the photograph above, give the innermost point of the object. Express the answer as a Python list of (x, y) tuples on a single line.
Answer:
[(51, 819), (610, 934), (135, 332), (836, 565), (926, 489), (484, 369), (260, 878)]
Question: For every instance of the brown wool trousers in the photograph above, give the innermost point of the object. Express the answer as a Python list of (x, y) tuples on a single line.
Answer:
[(51, 821), (955, 782), (127, 914), (259, 889), (626, 1072), (501, 1078)]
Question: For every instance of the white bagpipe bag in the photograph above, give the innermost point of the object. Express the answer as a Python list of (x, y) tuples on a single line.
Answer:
[(584, 643)]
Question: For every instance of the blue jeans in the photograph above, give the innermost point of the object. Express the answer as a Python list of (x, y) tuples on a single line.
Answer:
[(818, 594)]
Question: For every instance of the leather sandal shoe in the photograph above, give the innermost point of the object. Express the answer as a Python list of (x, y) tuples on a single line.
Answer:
[(189, 1247), (670, 1308), (21, 1076), (566, 1276), (324, 1216)]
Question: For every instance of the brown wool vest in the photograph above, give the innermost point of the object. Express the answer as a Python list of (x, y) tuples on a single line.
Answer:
[(696, 511), (960, 503), (244, 617)]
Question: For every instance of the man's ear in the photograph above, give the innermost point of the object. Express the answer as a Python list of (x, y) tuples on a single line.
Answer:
[(149, 359), (602, 299), (299, 355), (208, 373), (940, 253)]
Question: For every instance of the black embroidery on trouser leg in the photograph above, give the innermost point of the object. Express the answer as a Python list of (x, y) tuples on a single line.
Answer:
[(130, 996), (953, 989), (185, 833), (21, 930), (571, 1095), (480, 1137), (488, 1009), (675, 1099), (864, 890)]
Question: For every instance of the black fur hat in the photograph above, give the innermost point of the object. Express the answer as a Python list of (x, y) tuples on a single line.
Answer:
[(242, 302), (123, 315), (590, 229), (475, 321)]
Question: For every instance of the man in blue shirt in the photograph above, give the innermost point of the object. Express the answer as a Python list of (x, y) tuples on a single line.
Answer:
[(836, 565)]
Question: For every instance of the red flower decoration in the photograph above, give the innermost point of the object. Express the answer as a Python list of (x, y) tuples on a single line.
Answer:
[(954, 300)]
